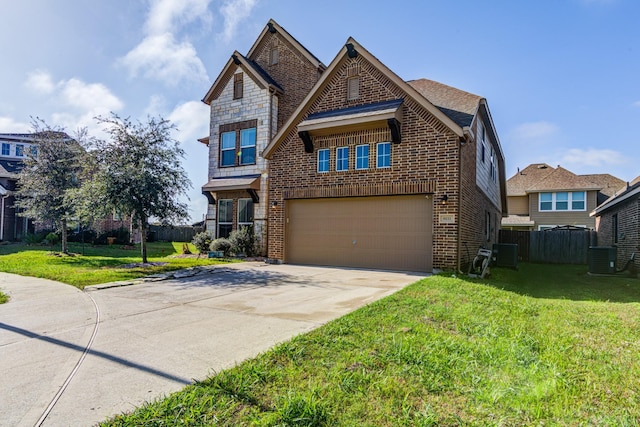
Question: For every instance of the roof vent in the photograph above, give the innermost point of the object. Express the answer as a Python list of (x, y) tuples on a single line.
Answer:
[(542, 166)]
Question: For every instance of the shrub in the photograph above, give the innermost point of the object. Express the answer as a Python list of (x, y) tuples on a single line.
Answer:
[(221, 244), (202, 241), (35, 238), (243, 241), (52, 239)]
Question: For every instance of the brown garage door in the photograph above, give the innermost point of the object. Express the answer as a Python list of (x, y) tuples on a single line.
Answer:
[(390, 232)]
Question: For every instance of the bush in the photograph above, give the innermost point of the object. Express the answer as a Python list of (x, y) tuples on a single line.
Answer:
[(243, 241), (35, 238), (222, 245), (52, 238), (202, 241)]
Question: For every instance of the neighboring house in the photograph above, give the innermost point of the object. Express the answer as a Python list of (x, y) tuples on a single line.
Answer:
[(13, 149), (541, 197), (250, 100), (372, 171), (618, 223)]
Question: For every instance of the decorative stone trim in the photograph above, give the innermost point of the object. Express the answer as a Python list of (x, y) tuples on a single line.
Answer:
[(359, 190)]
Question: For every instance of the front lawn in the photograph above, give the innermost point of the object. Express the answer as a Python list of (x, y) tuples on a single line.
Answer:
[(89, 265), (444, 351)]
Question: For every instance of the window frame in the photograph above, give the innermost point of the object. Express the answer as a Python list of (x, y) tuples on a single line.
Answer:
[(363, 158), (244, 148), (238, 129), (341, 159), (381, 156), (19, 150), (228, 204), (555, 201), (327, 161)]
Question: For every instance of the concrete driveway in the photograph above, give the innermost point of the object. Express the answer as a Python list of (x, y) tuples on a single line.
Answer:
[(74, 358)]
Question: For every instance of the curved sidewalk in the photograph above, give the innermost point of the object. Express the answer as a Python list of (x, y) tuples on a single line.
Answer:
[(44, 328)]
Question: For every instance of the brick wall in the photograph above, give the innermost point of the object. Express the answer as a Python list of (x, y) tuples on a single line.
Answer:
[(628, 231)]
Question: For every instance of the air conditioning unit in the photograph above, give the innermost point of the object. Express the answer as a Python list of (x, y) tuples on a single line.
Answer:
[(602, 259), (505, 255)]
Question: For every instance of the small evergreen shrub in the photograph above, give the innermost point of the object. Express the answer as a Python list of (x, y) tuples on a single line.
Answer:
[(243, 241), (202, 241), (221, 245)]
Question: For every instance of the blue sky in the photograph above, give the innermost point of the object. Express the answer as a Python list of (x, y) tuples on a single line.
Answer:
[(561, 77)]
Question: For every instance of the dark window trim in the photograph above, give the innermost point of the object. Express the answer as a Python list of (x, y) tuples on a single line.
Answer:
[(236, 127)]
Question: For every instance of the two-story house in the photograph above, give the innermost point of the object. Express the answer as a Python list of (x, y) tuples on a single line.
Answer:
[(13, 149), (250, 100), (542, 197), (376, 172)]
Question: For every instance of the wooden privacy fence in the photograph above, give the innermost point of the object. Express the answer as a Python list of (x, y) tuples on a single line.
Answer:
[(551, 246), (172, 233)]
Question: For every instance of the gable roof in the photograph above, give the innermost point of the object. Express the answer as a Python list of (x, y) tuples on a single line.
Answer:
[(630, 190), (273, 27), (562, 179), (458, 105), (10, 168), (316, 92), (518, 184), (609, 183), (251, 67)]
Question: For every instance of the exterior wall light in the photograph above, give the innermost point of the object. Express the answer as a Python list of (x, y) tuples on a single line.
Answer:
[(443, 199)]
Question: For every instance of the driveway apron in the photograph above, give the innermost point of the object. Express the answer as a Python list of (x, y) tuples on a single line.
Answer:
[(156, 337)]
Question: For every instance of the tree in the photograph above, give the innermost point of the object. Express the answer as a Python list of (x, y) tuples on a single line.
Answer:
[(51, 170), (139, 172)]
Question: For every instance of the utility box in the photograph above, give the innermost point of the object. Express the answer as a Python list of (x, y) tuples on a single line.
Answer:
[(505, 255), (602, 259)]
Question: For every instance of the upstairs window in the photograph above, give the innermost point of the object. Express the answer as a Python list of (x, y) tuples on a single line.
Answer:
[(362, 157), (323, 160), (383, 155), (238, 144), (562, 201), (237, 86), (342, 159), (6, 148), (19, 150), (273, 55)]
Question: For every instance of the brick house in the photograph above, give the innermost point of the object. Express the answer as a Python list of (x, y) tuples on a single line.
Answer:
[(373, 171), (618, 223), (542, 197), (13, 149), (250, 100)]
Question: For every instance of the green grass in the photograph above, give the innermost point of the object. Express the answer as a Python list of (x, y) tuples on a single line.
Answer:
[(3, 298), (88, 265), (545, 345)]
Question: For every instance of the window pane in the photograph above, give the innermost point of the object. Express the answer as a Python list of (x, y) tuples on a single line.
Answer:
[(384, 155), (228, 158), (545, 206), (248, 146), (362, 157), (19, 150), (225, 210), (224, 230), (562, 196), (5, 149), (245, 211), (546, 201), (342, 159), (545, 197), (228, 140), (323, 160)]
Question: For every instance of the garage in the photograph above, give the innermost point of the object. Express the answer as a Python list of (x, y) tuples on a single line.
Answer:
[(382, 232)]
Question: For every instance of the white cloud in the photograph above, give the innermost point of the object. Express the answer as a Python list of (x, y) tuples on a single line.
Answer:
[(534, 131), (40, 81), (234, 11), (593, 157), (165, 15), (93, 97), (192, 121), (9, 125), (160, 57)]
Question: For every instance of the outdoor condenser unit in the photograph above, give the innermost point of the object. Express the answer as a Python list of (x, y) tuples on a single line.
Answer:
[(505, 254), (602, 259)]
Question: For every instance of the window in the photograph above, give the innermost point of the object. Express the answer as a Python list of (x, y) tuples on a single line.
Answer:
[(248, 146), (353, 88), (563, 201), (362, 157), (34, 151), (384, 155), (238, 143), (19, 150), (6, 148), (225, 217), (273, 55), (493, 170), (228, 149), (245, 212), (323, 160), (483, 143), (342, 158), (614, 227), (237, 86)]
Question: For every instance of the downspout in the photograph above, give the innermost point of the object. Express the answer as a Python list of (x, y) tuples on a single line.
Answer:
[(464, 139), (2, 218), (272, 93)]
